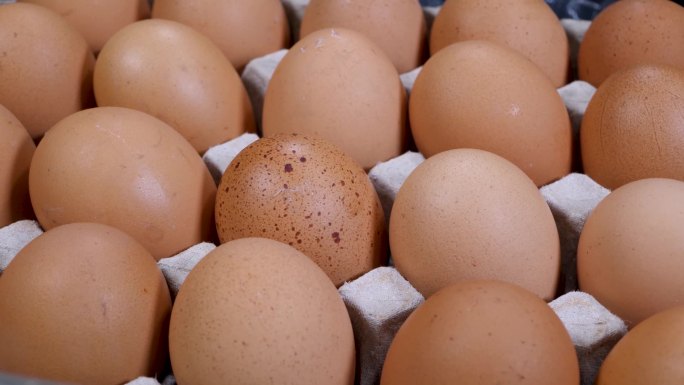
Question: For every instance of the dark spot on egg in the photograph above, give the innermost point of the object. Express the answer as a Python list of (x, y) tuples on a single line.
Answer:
[(288, 167)]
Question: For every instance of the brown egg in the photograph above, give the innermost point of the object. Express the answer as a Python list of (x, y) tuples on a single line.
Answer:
[(304, 192), (256, 311), (629, 33), (481, 333), (16, 151), (396, 26), (126, 169), (529, 27), (629, 252), (97, 21), (482, 95), (178, 75), (632, 128), (651, 353), (337, 84), (46, 67), (84, 303), (244, 30), (469, 214)]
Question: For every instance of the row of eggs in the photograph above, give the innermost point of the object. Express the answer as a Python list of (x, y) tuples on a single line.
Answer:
[(149, 190)]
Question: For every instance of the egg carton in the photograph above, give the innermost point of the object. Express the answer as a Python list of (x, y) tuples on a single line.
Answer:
[(380, 301)]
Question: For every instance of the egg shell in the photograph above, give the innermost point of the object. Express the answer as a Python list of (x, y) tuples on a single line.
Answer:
[(629, 33), (396, 26), (529, 27), (126, 169), (46, 67), (171, 71), (97, 21), (633, 126), (469, 214), (303, 191), (84, 303), (337, 84), (479, 94), (629, 252), (16, 151), (649, 354), (244, 30), (482, 332), (257, 311)]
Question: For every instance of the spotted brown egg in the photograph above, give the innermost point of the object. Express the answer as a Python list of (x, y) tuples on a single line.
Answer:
[(304, 192)]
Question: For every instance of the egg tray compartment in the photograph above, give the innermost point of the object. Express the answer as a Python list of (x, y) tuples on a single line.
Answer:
[(380, 301)]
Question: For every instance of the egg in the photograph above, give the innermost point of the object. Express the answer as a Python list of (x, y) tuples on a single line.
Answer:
[(46, 67), (396, 26), (257, 311), (303, 191), (337, 84), (84, 303), (632, 128), (529, 27), (629, 33), (482, 332), (629, 250), (649, 354), (126, 169), (469, 214), (479, 94), (178, 75), (16, 151), (97, 21), (244, 30)]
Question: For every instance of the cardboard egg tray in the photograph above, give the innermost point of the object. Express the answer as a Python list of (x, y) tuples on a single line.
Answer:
[(379, 301)]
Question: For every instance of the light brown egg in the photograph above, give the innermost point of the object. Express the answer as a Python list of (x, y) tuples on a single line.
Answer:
[(45, 67), (16, 151), (469, 214), (396, 26), (529, 27), (244, 30), (257, 311), (337, 84), (97, 21), (481, 333), (629, 252), (629, 33), (304, 192), (178, 75), (84, 303), (633, 125), (126, 169), (651, 353), (479, 94)]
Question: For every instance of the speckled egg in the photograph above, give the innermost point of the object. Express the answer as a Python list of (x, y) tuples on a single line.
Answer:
[(304, 192), (529, 27), (244, 30), (629, 33), (482, 333), (396, 26), (337, 84), (97, 21), (84, 303), (46, 67), (469, 214), (629, 252), (16, 151), (633, 125), (479, 94), (257, 311), (126, 169), (172, 72)]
